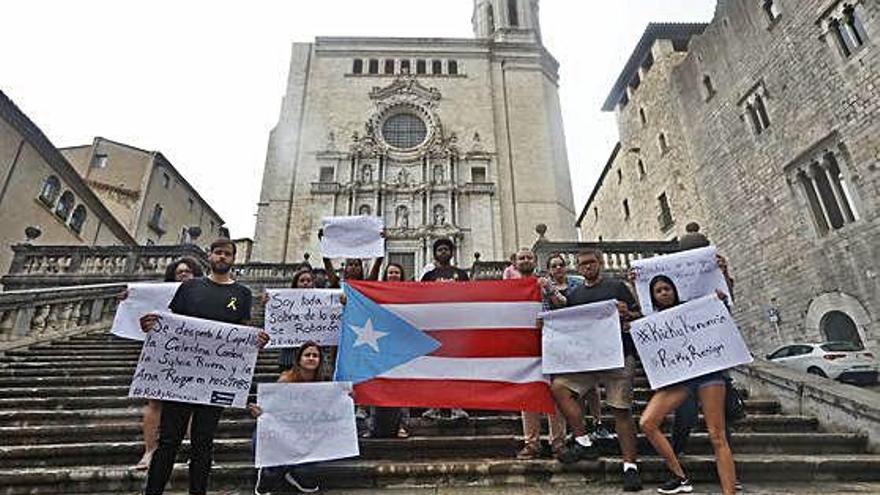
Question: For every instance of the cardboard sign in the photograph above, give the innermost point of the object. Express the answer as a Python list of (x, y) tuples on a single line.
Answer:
[(199, 361), (305, 422), (687, 341), (294, 316), (694, 272), (582, 338), (352, 237), (142, 298)]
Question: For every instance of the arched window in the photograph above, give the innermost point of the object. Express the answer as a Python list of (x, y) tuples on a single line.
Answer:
[(452, 67), (836, 326), (358, 66), (65, 205), (50, 189), (436, 67), (78, 218), (156, 217), (365, 210)]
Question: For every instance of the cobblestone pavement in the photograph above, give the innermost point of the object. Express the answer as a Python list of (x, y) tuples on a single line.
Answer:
[(699, 489)]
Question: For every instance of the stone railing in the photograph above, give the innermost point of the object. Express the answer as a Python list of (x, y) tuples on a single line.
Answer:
[(617, 255), (54, 266), (28, 316), (838, 406)]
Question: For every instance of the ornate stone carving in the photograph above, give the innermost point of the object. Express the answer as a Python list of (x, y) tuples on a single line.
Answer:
[(406, 87)]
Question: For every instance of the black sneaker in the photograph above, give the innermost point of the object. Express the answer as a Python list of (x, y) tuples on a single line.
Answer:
[(302, 482), (632, 482), (576, 452), (676, 485)]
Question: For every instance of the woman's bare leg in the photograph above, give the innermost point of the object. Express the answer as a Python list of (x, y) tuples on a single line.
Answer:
[(712, 402), (152, 413), (662, 403)]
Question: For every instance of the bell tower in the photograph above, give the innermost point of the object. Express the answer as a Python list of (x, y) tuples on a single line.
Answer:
[(507, 20)]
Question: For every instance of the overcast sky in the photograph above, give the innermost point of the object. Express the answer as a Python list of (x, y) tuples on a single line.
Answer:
[(201, 80)]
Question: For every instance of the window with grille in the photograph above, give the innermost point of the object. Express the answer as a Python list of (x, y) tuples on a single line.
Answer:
[(404, 131)]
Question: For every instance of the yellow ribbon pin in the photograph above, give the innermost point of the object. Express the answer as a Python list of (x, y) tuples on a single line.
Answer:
[(231, 304)]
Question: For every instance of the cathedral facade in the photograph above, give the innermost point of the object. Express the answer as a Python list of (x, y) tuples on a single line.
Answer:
[(458, 138)]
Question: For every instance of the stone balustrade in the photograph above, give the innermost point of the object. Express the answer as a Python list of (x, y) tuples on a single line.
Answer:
[(59, 266), (37, 314), (617, 255)]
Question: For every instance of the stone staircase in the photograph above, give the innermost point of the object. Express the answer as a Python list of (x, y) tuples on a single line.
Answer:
[(66, 426)]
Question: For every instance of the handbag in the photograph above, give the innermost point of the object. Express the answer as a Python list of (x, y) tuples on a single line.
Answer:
[(735, 406)]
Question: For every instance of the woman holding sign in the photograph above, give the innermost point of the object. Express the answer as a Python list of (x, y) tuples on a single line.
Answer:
[(306, 368), (710, 389)]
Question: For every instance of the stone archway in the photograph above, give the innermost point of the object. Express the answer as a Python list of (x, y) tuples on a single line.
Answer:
[(828, 314)]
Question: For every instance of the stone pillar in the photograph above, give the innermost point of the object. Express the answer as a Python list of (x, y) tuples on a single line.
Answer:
[(818, 192), (839, 194)]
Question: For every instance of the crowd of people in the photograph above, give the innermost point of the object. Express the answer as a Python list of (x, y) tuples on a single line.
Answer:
[(166, 423)]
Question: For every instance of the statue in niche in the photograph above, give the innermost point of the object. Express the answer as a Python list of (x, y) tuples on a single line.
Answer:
[(331, 140), (367, 173), (365, 210), (438, 174), (401, 217), (403, 177), (439, 215)]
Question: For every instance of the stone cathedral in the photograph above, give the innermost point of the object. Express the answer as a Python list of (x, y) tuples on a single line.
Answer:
[(441, 137)]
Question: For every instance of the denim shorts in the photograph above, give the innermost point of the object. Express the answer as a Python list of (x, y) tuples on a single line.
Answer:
[(695, 384)]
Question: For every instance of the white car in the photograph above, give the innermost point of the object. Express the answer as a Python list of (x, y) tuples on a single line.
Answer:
[(842, 361)]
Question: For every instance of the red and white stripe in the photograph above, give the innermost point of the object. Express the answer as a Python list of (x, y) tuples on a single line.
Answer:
[(490, 352)]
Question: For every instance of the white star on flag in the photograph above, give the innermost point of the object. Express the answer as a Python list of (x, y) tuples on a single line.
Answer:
[(367, 335)]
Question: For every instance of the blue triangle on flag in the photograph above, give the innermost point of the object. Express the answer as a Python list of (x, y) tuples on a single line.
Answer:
[(374, 340)]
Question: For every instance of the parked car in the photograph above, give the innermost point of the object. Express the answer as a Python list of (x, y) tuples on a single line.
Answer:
[(842, 361)]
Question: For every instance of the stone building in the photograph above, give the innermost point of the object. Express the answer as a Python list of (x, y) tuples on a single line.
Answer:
[(646, 190), (146, 193), (779, 111), (456, 138), (39, 188)]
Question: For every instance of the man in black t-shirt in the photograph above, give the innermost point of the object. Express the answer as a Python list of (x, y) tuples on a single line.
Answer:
[(568, 387), (216, 297), (443, 270)]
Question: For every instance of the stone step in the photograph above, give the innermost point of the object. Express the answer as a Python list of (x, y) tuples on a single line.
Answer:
[(34, 429), (424, 448), (19, 403), (123, 378), (358, 473), (121, 390), (122, 368)]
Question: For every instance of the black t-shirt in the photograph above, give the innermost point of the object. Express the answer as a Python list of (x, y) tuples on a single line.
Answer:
[(446, 274), (202, 298), (607, 288)]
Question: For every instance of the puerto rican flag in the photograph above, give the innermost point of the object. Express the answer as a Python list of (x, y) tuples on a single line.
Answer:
[(473, 345)]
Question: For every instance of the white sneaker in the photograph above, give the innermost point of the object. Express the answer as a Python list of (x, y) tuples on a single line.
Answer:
[(458, 414)]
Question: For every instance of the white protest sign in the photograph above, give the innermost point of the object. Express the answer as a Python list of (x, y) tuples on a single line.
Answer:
[(294, 316), (352, 237), (694, 272), (142, 298), (688, 340), (582, 338), (305, 422), (198, 361)]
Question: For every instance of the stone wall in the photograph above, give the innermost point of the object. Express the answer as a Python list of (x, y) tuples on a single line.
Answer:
[(756, 207), (769, 107)]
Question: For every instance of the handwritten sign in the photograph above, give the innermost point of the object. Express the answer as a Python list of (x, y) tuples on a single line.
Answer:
[(305, 422), (198, 361), (294, 316), (352, 237), (582, 338), (687, 341), (142, 298), (694, 272)]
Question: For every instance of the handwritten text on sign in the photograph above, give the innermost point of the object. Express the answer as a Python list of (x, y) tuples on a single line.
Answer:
[(305, 422), (694, 272), (687, 341), (294, 316), (198, 361), (582, 338), (142, 298)]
